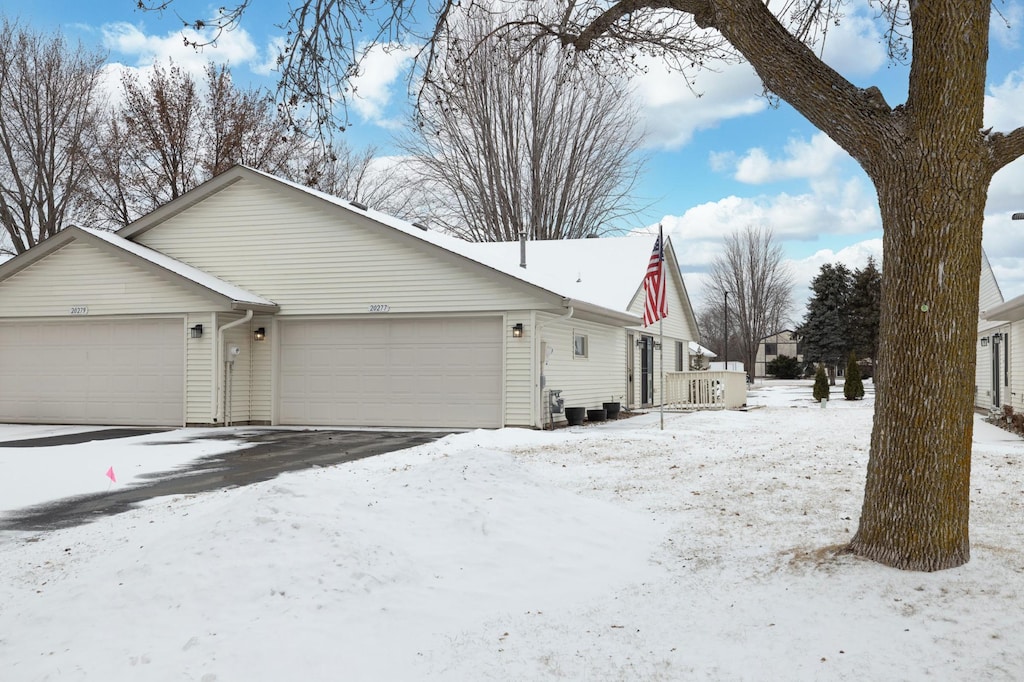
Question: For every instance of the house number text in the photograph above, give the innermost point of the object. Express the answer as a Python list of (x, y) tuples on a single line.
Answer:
[(79, 310), (380, 308)]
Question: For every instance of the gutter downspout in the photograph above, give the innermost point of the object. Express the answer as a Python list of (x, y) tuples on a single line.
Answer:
[(537, 329), (218, 352)]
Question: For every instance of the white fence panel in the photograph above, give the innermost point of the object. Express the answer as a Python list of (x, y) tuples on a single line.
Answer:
[(703, 390)]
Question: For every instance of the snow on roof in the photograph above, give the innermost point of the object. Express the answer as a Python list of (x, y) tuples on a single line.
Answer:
[(698, 349), (605, 272), (193, 274)]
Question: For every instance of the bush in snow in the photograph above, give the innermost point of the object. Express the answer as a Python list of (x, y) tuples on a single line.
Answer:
[(783, 367), (853, 389), (820, 384)]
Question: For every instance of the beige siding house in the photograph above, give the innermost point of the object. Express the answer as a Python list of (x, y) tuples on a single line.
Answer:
[(771, 347), (992, 385), (252, 300)]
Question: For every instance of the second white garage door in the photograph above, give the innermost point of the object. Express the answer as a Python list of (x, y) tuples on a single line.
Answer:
[(391, 372)]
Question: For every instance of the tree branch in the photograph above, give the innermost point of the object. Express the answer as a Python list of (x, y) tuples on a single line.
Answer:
[(1005, 147)]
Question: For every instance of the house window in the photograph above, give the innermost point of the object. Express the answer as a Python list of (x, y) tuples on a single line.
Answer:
[(679, 356), (579, 345), (771, 349)]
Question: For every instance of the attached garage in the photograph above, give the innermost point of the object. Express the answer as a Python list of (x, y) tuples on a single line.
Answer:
[(114, 371), (414, 372)]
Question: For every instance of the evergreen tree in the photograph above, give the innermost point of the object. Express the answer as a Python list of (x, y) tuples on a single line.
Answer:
[(865, 309), (853, 389), (821, 389), (825, 332)]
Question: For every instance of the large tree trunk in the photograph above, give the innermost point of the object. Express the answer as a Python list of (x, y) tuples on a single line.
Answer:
[(931, 187), (917, 494)]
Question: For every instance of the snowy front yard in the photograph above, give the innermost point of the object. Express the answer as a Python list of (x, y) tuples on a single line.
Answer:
[(616, 552)]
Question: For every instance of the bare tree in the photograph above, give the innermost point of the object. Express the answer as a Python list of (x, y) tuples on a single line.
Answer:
[(173, 133), (711, 322), (162, 134), (760, 285), (931, 160), (48, 102), (361, 175), (524, 140)]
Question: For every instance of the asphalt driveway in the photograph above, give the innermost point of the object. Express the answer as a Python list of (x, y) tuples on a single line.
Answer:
[(272, 452)]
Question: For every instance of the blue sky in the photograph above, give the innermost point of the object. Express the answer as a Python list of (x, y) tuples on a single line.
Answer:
[(719, 162)]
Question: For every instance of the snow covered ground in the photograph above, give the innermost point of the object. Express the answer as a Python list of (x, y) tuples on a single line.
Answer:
[(611, 552)]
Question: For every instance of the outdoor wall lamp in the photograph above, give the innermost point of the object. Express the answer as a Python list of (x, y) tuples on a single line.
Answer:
[(984, 341), (260, 334), (196, 332), (517, 330)]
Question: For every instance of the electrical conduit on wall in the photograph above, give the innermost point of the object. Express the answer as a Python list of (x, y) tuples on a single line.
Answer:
[(218, 352)]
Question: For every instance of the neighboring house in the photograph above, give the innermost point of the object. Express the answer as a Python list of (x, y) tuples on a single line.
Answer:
[(700, 357), (253, 300), (783, 342), (997, 322)]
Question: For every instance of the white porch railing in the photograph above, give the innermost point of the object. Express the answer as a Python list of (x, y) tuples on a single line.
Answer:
[(703, 390)]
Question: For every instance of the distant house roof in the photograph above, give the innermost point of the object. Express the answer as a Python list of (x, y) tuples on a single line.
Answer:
[(698, 349)]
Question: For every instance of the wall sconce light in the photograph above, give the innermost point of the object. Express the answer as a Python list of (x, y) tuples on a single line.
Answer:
[(984, 341), (196, 332), (517, 330), (260, 334)]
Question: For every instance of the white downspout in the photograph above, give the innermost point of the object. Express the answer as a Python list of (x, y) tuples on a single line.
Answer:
[(218, 352), (539, 421)]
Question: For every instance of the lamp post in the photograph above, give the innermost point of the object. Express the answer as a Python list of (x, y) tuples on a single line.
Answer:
[(726, 351)]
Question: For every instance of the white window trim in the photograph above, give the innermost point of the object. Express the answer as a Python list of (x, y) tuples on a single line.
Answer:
[(576, 338)]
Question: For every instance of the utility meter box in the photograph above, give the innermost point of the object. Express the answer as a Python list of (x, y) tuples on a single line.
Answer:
[(555, 401)]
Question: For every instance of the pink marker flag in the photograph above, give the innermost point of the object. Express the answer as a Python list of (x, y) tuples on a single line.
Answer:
[(110, 475)]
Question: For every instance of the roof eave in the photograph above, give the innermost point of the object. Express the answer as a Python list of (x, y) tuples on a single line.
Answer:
[(255, 307), (602, 314)]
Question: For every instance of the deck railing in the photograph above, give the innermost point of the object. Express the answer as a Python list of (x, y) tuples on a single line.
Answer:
[(703, 390)]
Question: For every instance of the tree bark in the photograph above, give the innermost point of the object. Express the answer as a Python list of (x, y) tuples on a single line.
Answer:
[(931, 194), (931, 165)]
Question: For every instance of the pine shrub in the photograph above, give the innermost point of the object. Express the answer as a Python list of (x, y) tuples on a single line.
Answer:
[(853, 389), (820, 384)]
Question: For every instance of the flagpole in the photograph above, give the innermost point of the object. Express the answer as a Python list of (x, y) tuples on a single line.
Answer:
[(661, 335)]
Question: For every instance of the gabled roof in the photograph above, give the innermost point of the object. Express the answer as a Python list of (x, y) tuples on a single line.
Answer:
[(553, 283), (607, 270), (182, 273), (698, 349)]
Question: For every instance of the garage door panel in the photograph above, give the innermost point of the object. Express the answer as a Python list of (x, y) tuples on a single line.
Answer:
[(412, 372), (128, 372)]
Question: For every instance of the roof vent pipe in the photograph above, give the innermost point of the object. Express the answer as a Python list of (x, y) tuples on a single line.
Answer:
[(522, 248)]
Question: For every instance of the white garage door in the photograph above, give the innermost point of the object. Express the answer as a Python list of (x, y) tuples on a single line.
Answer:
[(126, 372), (396, 372)]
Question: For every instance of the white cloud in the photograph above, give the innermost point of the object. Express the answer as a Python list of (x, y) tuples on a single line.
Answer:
[(847, 207), (1005, 24), (1004, 102), (802, 159), (374, 88), (672, 110), (269, 66), (854, 47), (232, 47)]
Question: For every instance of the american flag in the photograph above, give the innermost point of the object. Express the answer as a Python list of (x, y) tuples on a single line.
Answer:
[(656, 303)]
